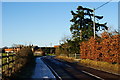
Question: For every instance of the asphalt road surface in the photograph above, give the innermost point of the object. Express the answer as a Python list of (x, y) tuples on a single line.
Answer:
[(49, 68), (42, 71), (71, 71)]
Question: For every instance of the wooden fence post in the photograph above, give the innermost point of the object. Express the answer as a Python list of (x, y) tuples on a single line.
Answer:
[(7, 64)]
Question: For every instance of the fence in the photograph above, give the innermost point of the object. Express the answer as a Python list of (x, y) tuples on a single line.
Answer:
[(0, 66), (12, 63), (8, 64), (76, 56)]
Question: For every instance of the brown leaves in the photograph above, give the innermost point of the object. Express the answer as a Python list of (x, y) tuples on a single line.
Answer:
[(105, 49)]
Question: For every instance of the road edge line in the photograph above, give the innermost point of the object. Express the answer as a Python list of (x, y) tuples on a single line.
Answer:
[(52, 70), (92, 75)]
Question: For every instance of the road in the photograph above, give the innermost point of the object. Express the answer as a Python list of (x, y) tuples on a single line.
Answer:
[(72, 71), (41, 70), (49, 68)]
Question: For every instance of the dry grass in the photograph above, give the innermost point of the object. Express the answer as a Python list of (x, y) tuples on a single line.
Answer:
[(69, 59), (104, 66)]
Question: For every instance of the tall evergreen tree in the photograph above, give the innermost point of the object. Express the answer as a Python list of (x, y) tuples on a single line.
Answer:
[(82, 24)]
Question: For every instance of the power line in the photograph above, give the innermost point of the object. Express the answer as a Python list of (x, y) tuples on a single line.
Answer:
[(103, 5), (94, 14)]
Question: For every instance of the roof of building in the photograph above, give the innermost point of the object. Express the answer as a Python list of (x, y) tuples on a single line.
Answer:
[(56, 46), (9, 49)]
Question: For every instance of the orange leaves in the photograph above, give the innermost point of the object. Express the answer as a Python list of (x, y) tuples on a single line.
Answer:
[(105, 35), (105, 49)]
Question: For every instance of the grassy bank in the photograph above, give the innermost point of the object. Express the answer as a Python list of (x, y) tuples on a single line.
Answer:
[(104, 66)]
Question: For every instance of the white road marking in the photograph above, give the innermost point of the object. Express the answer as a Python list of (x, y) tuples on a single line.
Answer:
[(45, 77), (54, 71), (67, 65), (93, 75), (41, 70)]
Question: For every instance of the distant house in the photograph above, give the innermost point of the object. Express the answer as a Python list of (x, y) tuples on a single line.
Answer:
[(38, 52), (56, 46), (34, 48), (11, 50)]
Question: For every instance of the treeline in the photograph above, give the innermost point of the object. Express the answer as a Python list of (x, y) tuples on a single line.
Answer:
[(70, 47)]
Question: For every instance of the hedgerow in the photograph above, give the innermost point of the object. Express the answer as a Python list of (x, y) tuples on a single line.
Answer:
[(104, 49)]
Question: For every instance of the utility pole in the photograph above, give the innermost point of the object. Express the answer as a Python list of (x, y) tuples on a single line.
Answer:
[(50, 48), (80, 35), (94, 14), (50, 44), (94, 21)]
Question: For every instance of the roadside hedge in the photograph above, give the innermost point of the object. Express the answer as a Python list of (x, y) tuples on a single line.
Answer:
[(104, 49)]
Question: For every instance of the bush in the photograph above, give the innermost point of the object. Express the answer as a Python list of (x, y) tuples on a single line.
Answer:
[(101, 49), (24, 56)]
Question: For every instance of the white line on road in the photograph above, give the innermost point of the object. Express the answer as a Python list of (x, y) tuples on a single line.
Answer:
[(67, 65), (93, 75), (41, 70), (53, 71)]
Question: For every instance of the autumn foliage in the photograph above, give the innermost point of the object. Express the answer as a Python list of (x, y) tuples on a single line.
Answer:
[(105, 48)]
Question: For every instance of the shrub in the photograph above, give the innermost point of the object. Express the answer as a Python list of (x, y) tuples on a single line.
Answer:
[(101, 49)]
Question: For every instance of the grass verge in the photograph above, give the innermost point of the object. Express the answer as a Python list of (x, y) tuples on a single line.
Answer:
[(104, 66)]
